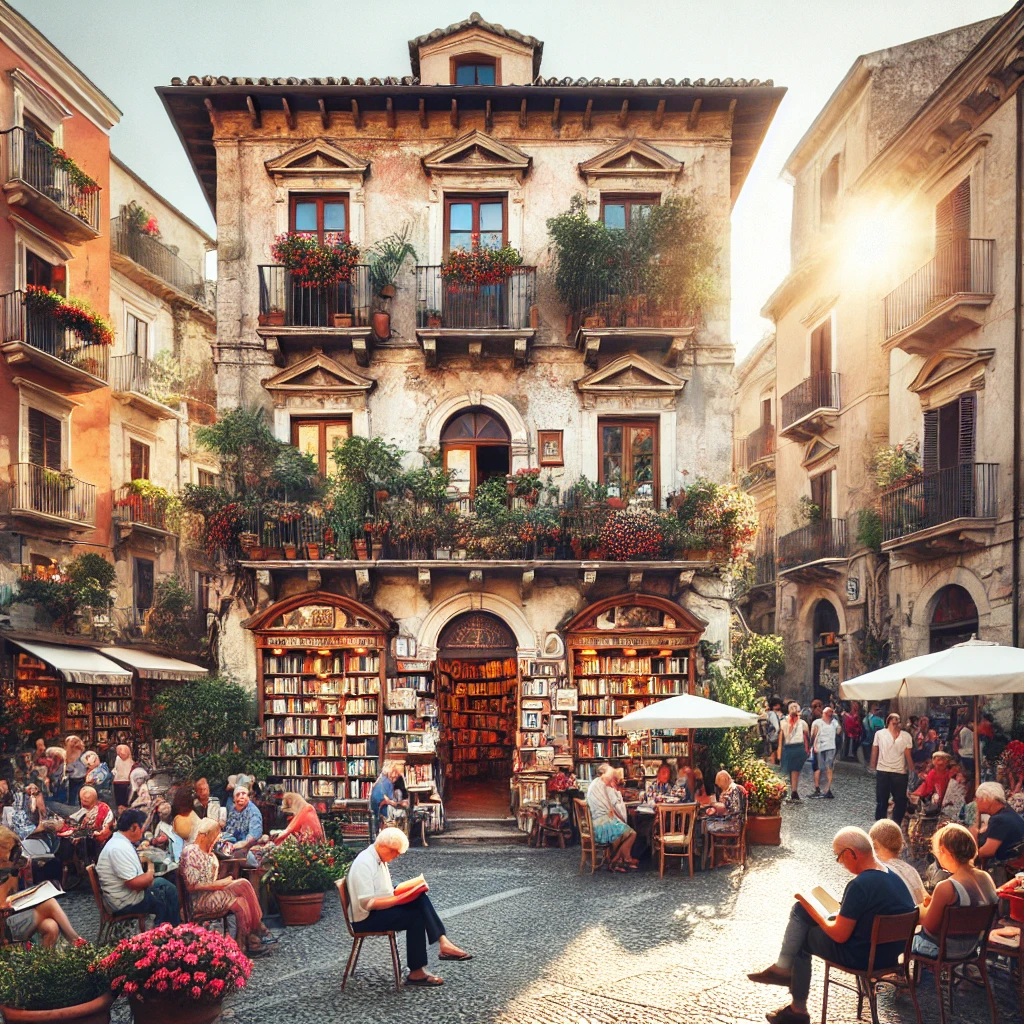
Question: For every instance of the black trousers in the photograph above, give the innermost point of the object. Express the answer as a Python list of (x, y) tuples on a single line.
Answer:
[(894, 784), (417, 919)]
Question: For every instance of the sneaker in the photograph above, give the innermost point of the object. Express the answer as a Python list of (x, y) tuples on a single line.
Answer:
[(787, 1015), (817, 791), (829, 795), (817, 795), (794, 796)]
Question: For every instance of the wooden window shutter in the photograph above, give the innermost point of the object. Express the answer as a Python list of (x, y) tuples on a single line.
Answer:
[(968, 427), (953, 214), (930, 446), (44, 448)]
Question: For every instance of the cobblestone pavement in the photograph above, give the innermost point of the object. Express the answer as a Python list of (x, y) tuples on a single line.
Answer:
[(553, 946)]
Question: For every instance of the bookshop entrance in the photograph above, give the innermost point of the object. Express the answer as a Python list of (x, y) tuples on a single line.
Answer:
[(477, 677)]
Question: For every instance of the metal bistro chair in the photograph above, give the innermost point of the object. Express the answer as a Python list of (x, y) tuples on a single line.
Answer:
[(357, 940), (589, 846), (109, 921), (197, 917), (673, 834), (887, 928), (961, 922)]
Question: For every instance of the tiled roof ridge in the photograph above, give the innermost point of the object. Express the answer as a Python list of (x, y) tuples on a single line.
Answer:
[(473, 21), (210, 81)]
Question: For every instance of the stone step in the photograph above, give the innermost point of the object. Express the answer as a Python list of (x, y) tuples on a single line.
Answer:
[(480, 830)]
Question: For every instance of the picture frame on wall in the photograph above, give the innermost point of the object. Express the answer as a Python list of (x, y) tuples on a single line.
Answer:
[(401, 647), (549, 448)]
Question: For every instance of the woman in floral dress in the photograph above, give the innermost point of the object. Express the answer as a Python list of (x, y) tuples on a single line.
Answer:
[(727, 813), (211, 895)]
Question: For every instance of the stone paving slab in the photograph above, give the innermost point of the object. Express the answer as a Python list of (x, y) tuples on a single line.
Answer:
[(555, 947)]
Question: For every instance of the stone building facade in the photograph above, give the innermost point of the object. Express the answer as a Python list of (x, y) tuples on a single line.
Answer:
[(511, 147), (895, 327)]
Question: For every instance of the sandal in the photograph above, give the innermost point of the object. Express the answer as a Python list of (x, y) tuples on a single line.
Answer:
[(428, 981), (455, 956), (617, 867)]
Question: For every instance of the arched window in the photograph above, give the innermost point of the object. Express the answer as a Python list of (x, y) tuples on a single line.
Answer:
[(826, 650), (475, 445), (954, 618)]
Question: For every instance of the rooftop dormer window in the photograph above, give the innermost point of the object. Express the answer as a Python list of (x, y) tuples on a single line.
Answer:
[(474, 69)]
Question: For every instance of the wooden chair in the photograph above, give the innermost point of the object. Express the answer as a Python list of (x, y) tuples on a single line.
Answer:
[(1011, 947), (357, 940), (887, 928), (961, 923), (589, 846), (197, 917), (673, 834), (109, 921), (733, 844)]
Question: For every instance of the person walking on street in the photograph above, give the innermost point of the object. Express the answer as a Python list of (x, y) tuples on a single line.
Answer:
[(794, 746), (774, 724), (852, 730), (872, 724), (890, 758), (825, 733)]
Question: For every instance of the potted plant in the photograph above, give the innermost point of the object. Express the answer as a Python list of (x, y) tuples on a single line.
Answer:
[(273, 318), (313, 551), (299, 873), (44, 985), (313, 265), (386, 259), (342, 319), (765, 791), (291, 549), (433, 318), (247, 540), (177, 975), (477, 266), (360, 548), (629, 534)]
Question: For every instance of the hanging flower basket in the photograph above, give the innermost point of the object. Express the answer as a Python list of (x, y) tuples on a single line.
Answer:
[(75, 174), (313, 265), (71, 314), (480, 266)]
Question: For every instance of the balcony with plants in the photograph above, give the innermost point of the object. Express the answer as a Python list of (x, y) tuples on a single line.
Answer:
[(138, 251), (51, 496), (943, 300), (641, 288), (479, 300), (811, 551), (64, 337), (144, 506), (44, 179)]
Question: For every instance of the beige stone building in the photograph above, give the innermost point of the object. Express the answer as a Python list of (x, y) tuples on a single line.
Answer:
[(896, 326), (472, 139)]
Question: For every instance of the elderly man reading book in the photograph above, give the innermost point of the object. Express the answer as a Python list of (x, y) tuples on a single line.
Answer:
[(840, 932), (376, 905)]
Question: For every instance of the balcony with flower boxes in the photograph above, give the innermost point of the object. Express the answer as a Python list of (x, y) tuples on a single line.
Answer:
[(460, 317), (813, 552), (292, 312), (40, 329), (48, 496), (943, 300), (47, 182), (947, 511), (811, 407), (143, 507)]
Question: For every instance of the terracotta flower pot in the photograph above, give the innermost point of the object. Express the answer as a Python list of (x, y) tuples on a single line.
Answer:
[(360, 549), (342, 319), (382, 325), (388, 291), (313, 552), (275, 318), (157, 1011), (301, 910), (96, 1011), (274, 554), (433, 321), (290, 551), (764, 829), (257, 553)]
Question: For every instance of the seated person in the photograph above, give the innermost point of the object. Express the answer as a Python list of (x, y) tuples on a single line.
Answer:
[(205, 805), (305, 822), (384, 803), (967, 886), (128, 884), (159, 811), (726, 813), (887, 840), (608, 816), (935, 781), (186, 821), (244, 828), (48, 919), (140, 797), (211, 895), (1002, 838), (687, 774), (122, 775), (97, 774), (956, 792), (697, 788), (663, 789), (844, 939), (374, 907), (94, 826)]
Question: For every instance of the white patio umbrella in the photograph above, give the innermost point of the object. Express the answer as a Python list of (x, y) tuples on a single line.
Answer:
[(687, 711), (971, 669)]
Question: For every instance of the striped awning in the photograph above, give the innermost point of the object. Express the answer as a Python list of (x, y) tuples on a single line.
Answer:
[(78, 664), (155, 666)]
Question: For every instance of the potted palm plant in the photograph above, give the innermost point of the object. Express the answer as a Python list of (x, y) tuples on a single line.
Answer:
[(54, 985), (386, 259), (299, 873)]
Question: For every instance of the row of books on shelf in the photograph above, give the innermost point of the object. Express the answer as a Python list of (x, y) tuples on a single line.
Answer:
[(418, 774), (481, 689), (113, 707), (306, 662), (306, 748), (301, 706), (361, 727), (466, 737), (617, 665), (668, 748), (602, 686), (304, 727), (342, 789), (457, 720), (361, 706), (494, 705), (480, 753), (597, 728), (113, 721), (535, 687), (601, 748), (608, 706), (402, 722), (422, 683), (353, 766)]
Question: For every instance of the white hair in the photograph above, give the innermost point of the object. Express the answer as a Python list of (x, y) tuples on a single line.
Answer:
[(853, 838), (991, 791), (207, 825), (392, 839)]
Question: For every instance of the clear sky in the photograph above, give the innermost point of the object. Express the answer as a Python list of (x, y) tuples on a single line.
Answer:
[(130, 46)]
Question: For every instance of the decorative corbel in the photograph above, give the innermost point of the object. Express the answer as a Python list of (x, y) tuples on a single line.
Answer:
[(476, 576), (430, 351), (313, 578), (636, 581), (587, 581), (423, 581), (361, 351), (682, 581), (476, 349), (362, 584), (593, 346), (519, 352), (526, 586)]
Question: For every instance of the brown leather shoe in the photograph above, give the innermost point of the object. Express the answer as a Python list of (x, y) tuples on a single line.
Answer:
[(787, 1015), (770, 976)]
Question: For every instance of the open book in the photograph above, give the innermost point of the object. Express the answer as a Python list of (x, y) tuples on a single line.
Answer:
[(824, 903), (411, 888), (33, 896)]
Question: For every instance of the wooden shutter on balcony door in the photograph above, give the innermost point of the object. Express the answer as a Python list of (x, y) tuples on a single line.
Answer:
[(968, 425), (953, 215), (930, 445), (44, 440)]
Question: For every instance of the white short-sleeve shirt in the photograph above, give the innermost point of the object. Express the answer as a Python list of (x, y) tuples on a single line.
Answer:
[(890, 751), (118, 861), (368, 878)]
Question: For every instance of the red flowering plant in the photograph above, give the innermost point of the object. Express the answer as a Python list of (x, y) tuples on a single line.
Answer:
[(297, 867), (765, 789), (630, 534), (179, 964), (478, 265), (1013, 760), (76, 175), (313, 265), (70, 314)]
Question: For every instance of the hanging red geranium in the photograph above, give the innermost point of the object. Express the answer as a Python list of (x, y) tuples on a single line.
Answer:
[(480, 266), (70, 314), (313, 265)]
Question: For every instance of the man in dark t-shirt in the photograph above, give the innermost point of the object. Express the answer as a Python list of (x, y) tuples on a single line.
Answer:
[(1004, 833), (845, 937)]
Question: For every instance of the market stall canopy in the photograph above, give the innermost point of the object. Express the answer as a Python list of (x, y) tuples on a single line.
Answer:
[(78, 664), (155, 666), (973, 668), (687, 711)]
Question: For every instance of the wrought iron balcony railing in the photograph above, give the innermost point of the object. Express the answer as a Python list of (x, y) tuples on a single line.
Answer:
[(154, 256), (968, 491), (813, 543), (34, 489), (626, 298), (33, 327), (31, 160), (818, 392), (284, 302), (965, 266), (131, 373), (149, 510), (453, 304), (757, 446)]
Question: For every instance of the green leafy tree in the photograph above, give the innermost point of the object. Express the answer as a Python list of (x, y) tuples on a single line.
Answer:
[(760, 658), (83, 582), (869, 529)]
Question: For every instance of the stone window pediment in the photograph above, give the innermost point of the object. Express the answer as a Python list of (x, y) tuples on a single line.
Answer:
[(318, 376), (630, 159), (817, 450), (950, 373), (631, 374), (321, 160), (477, 154)]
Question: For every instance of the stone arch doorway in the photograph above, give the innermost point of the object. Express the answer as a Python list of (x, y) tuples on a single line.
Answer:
[(477, 679), (476, 445), (825, 626), (954, 618)]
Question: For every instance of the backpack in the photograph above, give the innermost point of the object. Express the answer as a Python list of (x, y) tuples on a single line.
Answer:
[(872, 723), (774, 724)]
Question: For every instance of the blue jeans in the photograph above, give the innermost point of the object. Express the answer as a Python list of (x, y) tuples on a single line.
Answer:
[(161, 899)]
